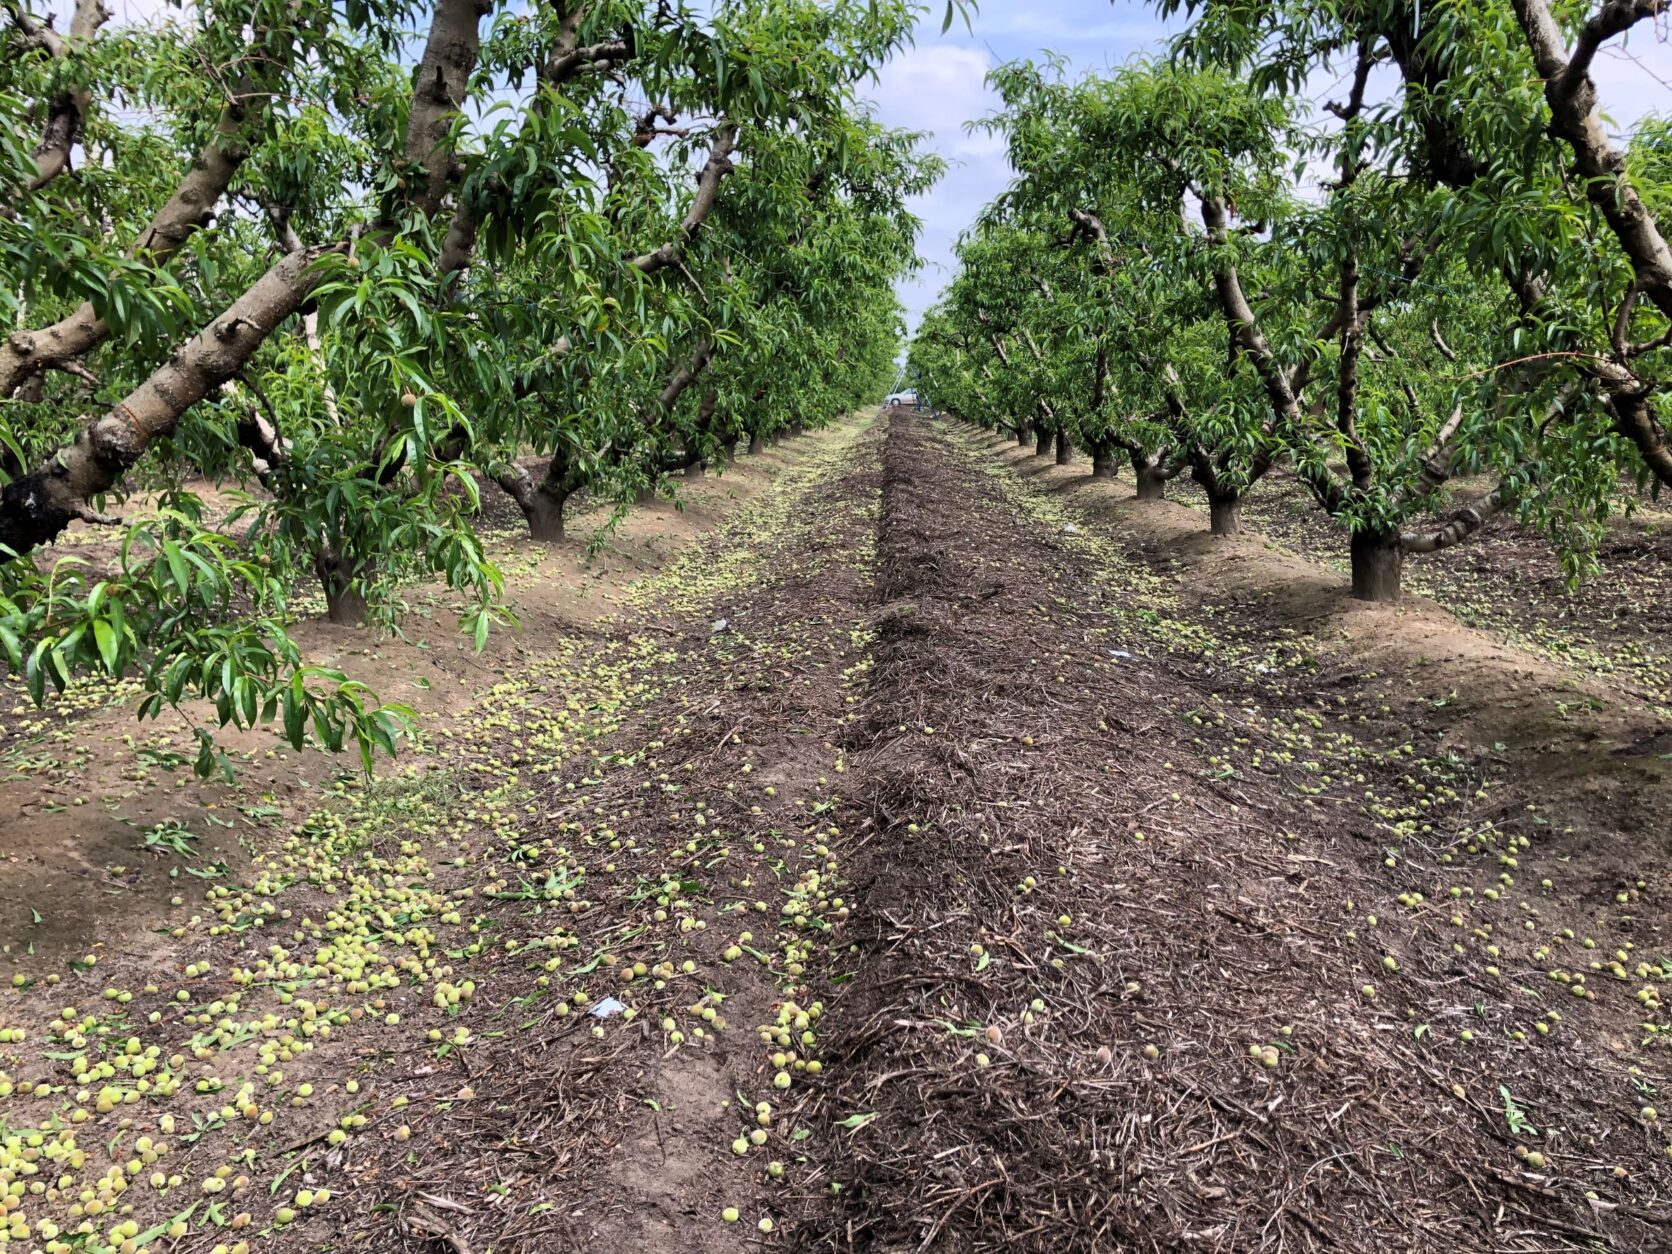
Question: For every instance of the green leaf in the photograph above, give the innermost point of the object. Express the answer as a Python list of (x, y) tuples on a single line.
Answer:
[(108, 643)]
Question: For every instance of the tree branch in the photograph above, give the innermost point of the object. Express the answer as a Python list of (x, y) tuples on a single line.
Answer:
[(1347, 377), (1615, 17), (1091, 225), (67, 113), (568, 59), (260, 435), (715, 169), (1635, 418), (1246, 334), (1462, 524), (1572, 98), (36, 507), (685, 376), (1440, 340), (193, 202)]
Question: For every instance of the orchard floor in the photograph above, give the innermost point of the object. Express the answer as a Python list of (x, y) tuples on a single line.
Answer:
[(955, 866), (82, 781)]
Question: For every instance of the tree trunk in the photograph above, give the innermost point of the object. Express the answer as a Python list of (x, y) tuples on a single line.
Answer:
[(1042, 443), (544, 512), (1065, 449), (757, 444), (1378, 562), (541, 503), (1225, 516), (797, 428), (1023, 433), (696, 469), (1103, 464), (345, 600), (1152, 484)]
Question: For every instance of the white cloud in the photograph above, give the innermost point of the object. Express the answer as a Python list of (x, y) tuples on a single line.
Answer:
[(936, 88)]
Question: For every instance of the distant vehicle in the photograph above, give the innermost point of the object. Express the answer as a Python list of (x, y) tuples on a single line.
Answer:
[(904, 398)]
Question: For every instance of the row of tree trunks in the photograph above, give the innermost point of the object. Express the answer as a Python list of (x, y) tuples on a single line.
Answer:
[(1377, 560), (542, 501)]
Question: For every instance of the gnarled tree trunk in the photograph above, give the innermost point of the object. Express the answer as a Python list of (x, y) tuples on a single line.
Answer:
[(757, 443), (544, 512), (1042, 442), (1065, 449), (1152, 480), (343, 580), (541, 503)]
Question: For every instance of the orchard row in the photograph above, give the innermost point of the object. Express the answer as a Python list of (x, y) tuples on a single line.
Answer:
[(1451, 271), (251, 245)]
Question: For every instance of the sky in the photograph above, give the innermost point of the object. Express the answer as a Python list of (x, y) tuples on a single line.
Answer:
[(938, 86)]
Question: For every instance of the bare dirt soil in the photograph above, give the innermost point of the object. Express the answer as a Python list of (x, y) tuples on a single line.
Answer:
[(1509, 581), (1588, 743), (934, 855), (82, 783)]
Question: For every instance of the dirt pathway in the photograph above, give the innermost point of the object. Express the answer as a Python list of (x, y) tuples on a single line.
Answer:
[(83, 784), (1591, 729), (913, 870), (1171, 959)]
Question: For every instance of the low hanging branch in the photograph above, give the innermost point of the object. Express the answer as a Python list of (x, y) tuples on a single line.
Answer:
[(1461, 525), (35, 508), (1627, 398)]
